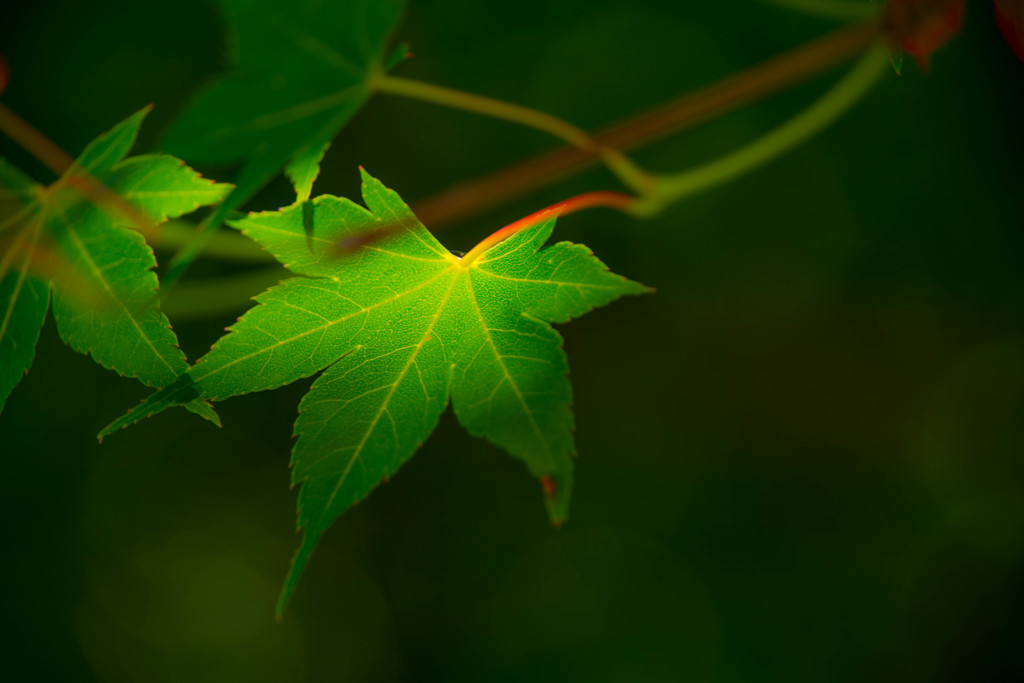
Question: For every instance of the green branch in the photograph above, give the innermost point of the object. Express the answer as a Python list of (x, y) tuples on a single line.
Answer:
[(805, 125), (618, 163)]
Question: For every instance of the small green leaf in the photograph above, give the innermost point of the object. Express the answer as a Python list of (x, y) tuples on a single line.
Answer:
[(399, 327), (304, 169), (101, 154), (105, 303), (104, 299), (163, 187)]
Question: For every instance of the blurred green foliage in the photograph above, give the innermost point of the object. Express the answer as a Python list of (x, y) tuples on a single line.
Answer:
[(799, 461)]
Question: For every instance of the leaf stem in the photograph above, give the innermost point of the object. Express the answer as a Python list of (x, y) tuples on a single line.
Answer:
[(587, 200), (226, 294), (805, 125), (628, 172), (470, 198)]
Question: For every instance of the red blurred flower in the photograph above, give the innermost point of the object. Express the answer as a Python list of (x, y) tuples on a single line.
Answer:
[(934, 24), (1010, 15)]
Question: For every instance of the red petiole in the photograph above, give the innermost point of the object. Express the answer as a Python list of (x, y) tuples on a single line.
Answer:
[(587, 200)]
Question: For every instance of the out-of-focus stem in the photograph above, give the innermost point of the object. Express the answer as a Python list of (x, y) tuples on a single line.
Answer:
[(617, 162), (805, 125), (588, 200), (478, 195), (226, 246), (220, 295)]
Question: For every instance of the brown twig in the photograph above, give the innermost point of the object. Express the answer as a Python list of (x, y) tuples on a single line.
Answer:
[(472, 197)]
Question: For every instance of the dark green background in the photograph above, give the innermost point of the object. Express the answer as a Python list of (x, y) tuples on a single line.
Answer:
[(800, 461)]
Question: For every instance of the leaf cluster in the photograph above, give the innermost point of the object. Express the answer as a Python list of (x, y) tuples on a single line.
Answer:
[(65, 240), (396, 326)]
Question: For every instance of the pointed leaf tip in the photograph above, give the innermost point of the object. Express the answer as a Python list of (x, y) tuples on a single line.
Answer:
[(304, 169), (295, 571)]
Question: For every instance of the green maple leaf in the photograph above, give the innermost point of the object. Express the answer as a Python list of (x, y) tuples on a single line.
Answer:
[(24, 298), (101, 273), (299, 71), (397, 328)]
